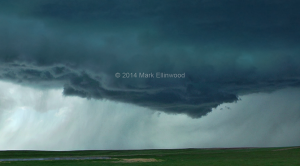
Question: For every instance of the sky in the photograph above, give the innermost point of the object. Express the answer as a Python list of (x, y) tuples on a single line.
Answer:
[(78, 75)]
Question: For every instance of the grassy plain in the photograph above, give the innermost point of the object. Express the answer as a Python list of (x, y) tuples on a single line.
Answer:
[(190, 157)]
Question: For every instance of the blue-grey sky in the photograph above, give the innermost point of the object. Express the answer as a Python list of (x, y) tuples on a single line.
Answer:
[(226, 49), (38, 119)]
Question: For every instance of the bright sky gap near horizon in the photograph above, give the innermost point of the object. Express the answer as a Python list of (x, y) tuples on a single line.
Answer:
[(239, 63)]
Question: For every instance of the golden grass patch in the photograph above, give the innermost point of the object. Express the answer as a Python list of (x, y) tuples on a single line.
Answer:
[(134, 160)]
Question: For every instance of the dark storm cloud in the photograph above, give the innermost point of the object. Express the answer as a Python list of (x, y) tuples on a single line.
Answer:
[(225, 48)]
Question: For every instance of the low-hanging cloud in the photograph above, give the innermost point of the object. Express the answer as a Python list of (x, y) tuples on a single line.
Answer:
[(225, 49), (40, 119)]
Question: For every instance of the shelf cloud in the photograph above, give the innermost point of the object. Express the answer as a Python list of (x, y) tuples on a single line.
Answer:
[(225, 49)]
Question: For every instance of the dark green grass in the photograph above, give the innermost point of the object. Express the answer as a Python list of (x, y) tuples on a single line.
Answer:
[(189, 157)]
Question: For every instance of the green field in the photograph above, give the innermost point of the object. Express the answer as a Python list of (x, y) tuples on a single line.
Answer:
[(189, 157)]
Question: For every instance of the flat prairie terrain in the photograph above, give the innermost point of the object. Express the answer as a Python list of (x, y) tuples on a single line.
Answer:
[(191, 157)]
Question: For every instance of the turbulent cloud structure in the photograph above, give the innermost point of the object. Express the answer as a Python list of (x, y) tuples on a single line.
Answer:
[(39, 119), (226, 48)]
